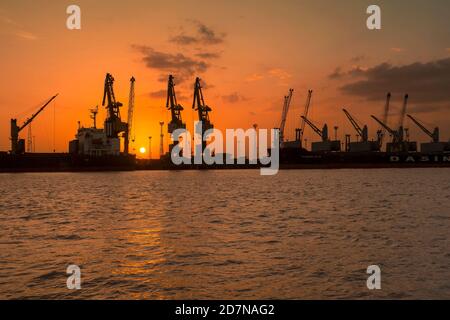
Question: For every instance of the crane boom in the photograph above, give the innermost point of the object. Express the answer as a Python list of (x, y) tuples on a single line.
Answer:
[(128, 132), (284, 113), (283, 118), (313, 126), (108, 94), (113, 122), (433, 135), (28, 121), (362, 132), (353, 122), (385, 126), (305, 113), (15, 129)]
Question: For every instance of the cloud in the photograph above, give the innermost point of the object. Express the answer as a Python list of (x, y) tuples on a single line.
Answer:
[(397, 50), (233, 98), (277, 73), (162, 94), (189, 62), (280, 73), (208, 55), (158, 94), (209, 36), (178, 64), (336, 74), (426, 83), (202, 34), (254, 77), (25, 35), (427, 108), (184, 39), (13, 28), (357, 59), (207, 85), (354, 71)]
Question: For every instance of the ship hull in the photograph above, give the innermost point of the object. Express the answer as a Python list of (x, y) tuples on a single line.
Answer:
[(291, 159), (64, 162), (300, 159)]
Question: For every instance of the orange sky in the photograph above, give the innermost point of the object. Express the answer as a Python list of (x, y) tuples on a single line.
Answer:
[(247, 52)]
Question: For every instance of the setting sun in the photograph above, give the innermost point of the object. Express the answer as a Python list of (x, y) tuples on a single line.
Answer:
[(142, 150)]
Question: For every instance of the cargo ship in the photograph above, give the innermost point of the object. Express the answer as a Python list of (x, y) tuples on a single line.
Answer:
[(99, 149), (69, 162)]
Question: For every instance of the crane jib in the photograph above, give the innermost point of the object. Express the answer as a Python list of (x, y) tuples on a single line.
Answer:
[(27, 122)]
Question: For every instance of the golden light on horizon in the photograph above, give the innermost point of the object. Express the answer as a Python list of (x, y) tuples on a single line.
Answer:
[(142, 150)]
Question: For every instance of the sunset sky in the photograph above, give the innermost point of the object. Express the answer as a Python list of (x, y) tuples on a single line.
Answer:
[(248, 54)]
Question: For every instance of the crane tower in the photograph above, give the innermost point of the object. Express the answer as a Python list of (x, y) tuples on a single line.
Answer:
[(129, 125), (113, 122), (175, 110), (203, 110)]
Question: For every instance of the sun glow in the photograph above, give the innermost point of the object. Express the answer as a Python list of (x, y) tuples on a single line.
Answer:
[(142, 150)]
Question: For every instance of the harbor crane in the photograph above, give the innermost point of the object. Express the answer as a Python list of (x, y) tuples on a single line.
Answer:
[(175, 109), (198, 104), (321, 133), (433, 135), (326, 145), (129, 128), (113, 123), (397, 136), (362, 132), (364, 145), (435, 146), (18, 146), (284, 113), (398, 144)]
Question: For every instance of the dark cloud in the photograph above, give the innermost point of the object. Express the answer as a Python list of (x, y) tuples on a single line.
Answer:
[(356, 71), (427, 108), (202, 35), (184, 39), (162, 94), (426, 83), (208, 55), (158, 94), (209, 36), (233, 98), (336, 74), (178, 64), (171, 62), (357, 59), (184, 65), (207, 85)]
